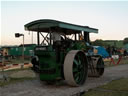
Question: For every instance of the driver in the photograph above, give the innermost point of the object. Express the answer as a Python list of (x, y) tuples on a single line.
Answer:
[(56, 45), (56, 37)]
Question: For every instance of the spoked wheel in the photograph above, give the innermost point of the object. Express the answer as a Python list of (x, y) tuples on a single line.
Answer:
[(96, 67), (75, 68), (100, 66)]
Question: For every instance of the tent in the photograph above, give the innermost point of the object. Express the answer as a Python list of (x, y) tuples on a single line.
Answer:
[(101, 51)]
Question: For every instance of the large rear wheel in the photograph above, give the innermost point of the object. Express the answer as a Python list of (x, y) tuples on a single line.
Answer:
[(75, 68)]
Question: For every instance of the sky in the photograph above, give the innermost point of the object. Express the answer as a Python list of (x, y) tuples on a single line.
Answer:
[(110, 17)]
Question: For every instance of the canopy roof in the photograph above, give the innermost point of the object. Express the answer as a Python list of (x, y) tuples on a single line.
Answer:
[(44, 25)]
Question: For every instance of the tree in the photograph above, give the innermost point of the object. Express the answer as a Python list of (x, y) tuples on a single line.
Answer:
[(98, 42), (125, 40)]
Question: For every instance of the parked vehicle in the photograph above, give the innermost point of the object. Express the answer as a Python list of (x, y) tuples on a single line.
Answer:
[(63, 53)]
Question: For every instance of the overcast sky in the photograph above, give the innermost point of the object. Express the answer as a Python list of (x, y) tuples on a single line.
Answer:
[(111, 18)]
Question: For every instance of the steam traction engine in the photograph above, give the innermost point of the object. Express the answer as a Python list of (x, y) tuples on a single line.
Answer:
[(63, 54)]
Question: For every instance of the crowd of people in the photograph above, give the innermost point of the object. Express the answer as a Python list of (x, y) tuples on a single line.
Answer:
[(116, 51)]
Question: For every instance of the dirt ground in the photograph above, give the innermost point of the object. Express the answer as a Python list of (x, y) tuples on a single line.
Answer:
[(38, 88)]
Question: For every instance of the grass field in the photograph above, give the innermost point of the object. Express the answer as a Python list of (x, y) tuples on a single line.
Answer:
[(124, 60), (14, 80), (114, 88)]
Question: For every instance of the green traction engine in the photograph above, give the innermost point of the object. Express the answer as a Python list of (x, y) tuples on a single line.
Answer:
[(62, 52)]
